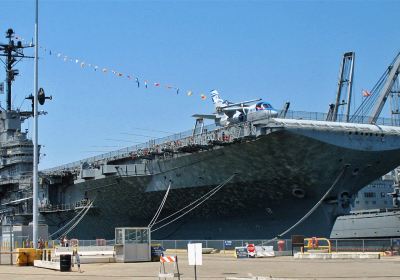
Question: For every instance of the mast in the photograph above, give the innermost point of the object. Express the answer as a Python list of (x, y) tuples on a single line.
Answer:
[(10, 73), (11, 52)]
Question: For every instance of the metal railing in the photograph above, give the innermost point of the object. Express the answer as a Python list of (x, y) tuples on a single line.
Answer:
[(338, 245), (64, 207)]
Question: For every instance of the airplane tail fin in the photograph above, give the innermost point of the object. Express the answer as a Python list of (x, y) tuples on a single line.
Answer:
[(216, 99)]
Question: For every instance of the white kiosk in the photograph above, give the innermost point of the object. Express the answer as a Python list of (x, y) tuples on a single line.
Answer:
[(132, 244)]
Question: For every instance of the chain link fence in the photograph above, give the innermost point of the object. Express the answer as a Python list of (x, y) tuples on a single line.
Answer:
[(338, 245)]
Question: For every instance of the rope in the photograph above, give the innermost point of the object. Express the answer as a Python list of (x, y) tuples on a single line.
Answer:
[(67, 224), (152, 222), (78, 221), (210, 194), (312, 209)]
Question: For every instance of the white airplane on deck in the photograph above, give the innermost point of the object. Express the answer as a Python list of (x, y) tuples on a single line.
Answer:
[(228, 112)]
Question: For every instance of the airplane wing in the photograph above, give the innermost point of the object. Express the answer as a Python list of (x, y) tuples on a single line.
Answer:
[(242, 103), (233, 109), (205, 116)]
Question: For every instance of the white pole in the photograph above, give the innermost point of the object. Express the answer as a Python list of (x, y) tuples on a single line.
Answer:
[(35, 134)]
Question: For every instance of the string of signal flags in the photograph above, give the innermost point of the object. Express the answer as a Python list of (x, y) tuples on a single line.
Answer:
[(139, 82)]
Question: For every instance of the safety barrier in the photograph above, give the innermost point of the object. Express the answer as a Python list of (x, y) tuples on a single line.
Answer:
[(163, 272), (317, 244)]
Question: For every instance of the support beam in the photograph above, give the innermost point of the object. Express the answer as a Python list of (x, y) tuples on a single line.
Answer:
[(345, 80), (386, 89)]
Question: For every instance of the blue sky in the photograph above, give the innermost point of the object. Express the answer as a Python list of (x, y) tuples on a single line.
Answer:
[(277, 50)]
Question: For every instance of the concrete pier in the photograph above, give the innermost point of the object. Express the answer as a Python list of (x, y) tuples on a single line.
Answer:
[(337, 256), (220, 267)]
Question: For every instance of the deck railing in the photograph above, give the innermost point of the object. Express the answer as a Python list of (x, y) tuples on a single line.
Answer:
[(64, 207)]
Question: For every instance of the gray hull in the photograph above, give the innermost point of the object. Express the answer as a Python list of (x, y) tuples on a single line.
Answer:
[(376, 224), (281, 175)]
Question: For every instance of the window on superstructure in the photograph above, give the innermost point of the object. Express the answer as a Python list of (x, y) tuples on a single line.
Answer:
[(369, 194), (383, 194)]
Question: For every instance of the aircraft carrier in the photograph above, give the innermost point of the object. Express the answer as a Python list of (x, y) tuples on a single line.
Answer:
[(249, 177)]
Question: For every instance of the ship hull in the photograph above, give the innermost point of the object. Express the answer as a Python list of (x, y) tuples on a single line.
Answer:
[(378, 224), (278, 178)]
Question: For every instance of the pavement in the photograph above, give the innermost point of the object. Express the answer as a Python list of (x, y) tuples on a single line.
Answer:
[(220, 266)]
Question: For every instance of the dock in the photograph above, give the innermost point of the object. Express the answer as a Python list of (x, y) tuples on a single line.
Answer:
[(224, 266)]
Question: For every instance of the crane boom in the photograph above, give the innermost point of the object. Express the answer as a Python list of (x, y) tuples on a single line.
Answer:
[(393, 72)]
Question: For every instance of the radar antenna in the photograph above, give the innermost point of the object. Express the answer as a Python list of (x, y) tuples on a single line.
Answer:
[(13, 52)]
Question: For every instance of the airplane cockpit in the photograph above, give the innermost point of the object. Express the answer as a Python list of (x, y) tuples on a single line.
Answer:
[(263, 106)]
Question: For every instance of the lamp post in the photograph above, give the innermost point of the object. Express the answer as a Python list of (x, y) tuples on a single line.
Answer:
[(35, 134)]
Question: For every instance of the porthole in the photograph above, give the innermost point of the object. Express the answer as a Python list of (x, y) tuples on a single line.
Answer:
[(299, 193)]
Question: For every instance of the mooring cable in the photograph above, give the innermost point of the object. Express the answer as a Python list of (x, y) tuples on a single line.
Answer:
[(313, 208), (211, 193), (67, 224), (152, 222), (78, 221), (194, 207)]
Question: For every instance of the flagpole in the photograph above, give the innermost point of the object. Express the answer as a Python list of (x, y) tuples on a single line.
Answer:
[(35, 134)]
